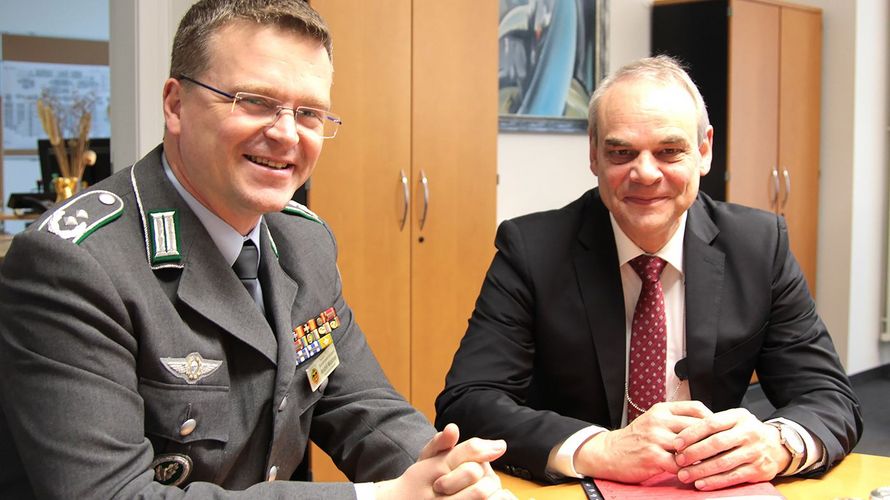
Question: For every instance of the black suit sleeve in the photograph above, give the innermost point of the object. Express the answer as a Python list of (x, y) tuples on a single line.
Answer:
[(798, 367), (488, 389)]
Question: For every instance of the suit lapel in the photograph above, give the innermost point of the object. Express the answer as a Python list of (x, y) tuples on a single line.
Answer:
[(599, 278), (206, 283), (704, 270)]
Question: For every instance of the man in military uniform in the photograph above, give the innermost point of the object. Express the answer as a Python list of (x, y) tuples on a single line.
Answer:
[(135, 361)]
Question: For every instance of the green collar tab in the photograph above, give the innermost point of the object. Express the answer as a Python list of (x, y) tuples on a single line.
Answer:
[(294, 208), (165, 240)]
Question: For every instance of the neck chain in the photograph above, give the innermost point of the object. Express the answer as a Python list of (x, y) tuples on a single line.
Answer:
[(641, 410)]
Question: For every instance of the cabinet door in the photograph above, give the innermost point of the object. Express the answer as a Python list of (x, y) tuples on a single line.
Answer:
[(454, 143), (753, 105), (799, 118), (357, 184)]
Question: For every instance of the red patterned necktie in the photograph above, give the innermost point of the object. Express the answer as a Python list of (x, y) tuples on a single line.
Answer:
[(648, 340)]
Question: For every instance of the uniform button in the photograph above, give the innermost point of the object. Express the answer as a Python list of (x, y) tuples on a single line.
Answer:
[(187, 427), (273, 472), (106, 199)]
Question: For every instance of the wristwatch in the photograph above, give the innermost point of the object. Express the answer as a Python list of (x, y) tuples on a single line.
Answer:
[(792, 442)]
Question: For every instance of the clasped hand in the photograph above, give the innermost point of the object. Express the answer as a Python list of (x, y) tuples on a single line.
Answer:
[(710, 450), (446, 469)]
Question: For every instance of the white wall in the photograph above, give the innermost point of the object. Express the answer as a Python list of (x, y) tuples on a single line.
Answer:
[(854, 159), (84, 19), (142, 32), (869, 172), (544, 171)]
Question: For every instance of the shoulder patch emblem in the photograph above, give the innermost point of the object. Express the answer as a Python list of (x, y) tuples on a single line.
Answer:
[(82, 215), (294, 208)]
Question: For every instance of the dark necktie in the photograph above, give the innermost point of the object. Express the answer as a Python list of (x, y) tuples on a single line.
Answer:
[(246, 266), (648, 340)]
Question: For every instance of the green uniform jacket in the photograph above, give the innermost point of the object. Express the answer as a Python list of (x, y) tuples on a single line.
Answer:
[(99, 301)]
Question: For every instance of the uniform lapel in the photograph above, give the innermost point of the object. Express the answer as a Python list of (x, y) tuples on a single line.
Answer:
[(704, 270), (206, 283), (599, 278), (279, 294)]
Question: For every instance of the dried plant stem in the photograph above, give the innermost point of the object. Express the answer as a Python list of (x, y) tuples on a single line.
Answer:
[(83, 142), (50, 122)]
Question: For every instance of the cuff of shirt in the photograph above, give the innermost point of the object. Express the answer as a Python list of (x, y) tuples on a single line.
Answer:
[(561, 462), (365, 491), (815, 448)]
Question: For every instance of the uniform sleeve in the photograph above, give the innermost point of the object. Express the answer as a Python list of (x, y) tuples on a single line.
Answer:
[(370, 431), (68, 385)]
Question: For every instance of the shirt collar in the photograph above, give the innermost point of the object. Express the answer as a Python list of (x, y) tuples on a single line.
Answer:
[(225, 237), (671, 252)]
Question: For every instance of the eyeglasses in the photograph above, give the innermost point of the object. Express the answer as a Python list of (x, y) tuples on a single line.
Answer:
[(266, 110)]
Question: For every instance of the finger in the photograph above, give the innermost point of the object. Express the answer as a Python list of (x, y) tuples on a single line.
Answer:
[(687, 408), (718, 464), (739, 475), (486, 487), (705, 428), (463, 476), (442, 441), (679, 423), (475, 450)]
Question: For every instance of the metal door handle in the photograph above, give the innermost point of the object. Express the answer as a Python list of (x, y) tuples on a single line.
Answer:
[(774, 194), (407, 197), (426, 197), (787, 187)]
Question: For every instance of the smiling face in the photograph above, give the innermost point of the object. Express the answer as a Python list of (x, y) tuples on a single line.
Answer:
[(647, 158), (237, 168)]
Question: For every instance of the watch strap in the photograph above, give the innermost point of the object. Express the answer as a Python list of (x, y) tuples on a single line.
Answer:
[(797, 457)]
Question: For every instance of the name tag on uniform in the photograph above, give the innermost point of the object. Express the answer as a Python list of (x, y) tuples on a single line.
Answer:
[(322, 367)]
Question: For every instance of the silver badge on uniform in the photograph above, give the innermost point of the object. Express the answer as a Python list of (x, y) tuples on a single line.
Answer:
[(171, 469), (191, 368)]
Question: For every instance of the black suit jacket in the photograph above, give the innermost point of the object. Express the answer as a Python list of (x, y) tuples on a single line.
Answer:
[(544, 354)]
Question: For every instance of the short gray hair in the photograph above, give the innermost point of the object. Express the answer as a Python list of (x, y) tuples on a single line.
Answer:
[(661, 68)]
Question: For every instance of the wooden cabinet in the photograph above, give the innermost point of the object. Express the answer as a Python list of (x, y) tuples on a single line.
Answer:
[(408, 185), (758, 65)]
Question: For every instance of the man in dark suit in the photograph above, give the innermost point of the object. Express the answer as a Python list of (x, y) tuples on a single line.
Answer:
[(135, 362), (615, 337)]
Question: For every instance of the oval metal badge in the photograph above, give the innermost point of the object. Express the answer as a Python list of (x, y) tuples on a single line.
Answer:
[(171, 469)]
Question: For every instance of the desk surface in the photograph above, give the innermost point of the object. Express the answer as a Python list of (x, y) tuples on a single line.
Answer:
[(854, 477)]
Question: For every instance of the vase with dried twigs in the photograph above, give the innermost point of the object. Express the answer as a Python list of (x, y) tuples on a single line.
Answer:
[(73, 154)]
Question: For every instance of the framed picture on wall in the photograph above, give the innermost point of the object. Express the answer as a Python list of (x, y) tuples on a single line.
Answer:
[(551, 57)]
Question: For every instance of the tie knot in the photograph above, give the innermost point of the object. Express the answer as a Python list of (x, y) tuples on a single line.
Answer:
[(248, 261), (649, 267)]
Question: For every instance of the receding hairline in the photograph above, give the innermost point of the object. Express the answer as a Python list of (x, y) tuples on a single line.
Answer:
[(241, 23), (663, 70)]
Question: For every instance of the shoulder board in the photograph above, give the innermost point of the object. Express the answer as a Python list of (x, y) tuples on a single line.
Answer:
[(294, 208), (80, 216)]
